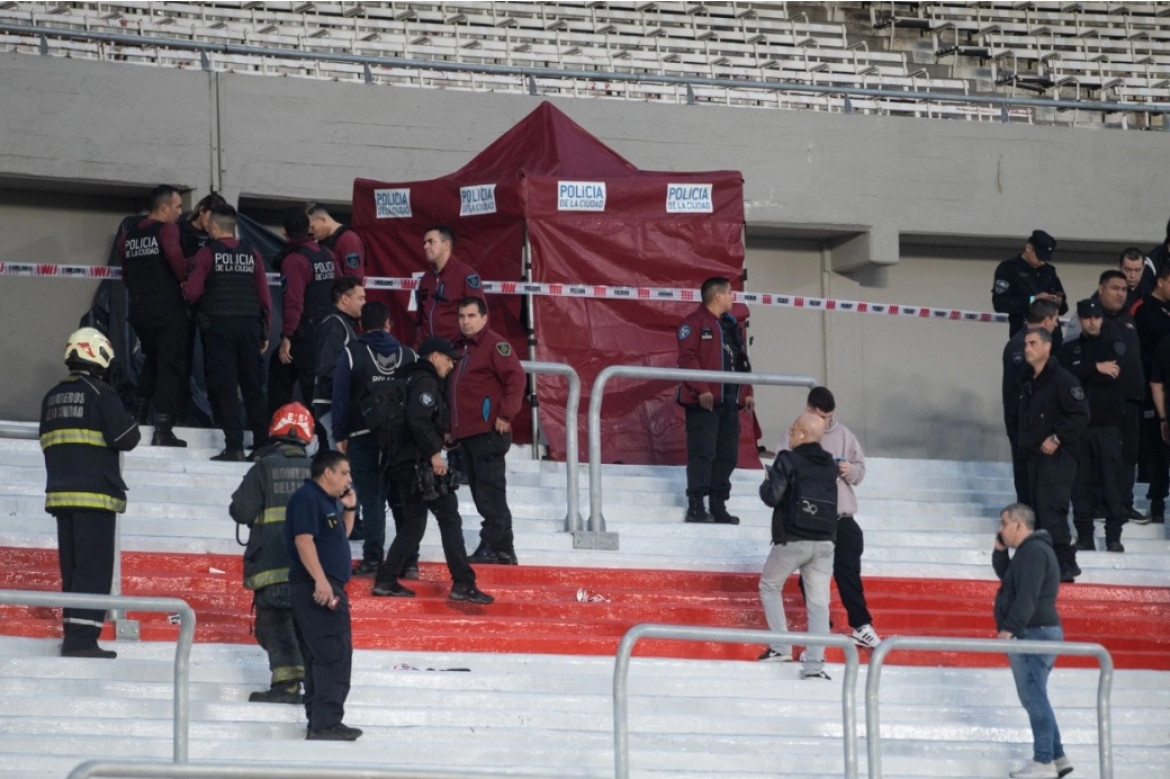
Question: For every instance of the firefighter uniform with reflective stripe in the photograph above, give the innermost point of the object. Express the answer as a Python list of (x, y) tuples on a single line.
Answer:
[(259, 503), (83, 428)]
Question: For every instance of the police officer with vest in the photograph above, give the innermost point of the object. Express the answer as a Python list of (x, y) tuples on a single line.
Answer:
[(1118, 325), (259, 503), (83, 429), (153, 270), (421, 477), (346, 245), (230, 285), (307, 272), (1042, 313), (711, 339), (334, 332), (1092, 358), (1051, 415), (375, 357), (1025, 278)]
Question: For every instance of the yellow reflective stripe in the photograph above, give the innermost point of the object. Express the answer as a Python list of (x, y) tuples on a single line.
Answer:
[(289, 673), (73, 436), (266, 579), (85, 500), (270, 515)]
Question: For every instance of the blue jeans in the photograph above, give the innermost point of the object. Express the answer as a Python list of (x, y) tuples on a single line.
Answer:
[(1031, 675)]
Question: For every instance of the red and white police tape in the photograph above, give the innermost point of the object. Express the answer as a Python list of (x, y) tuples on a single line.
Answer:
[(666, 294)]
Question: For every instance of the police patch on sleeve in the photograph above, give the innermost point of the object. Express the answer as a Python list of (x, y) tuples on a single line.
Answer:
[(1119, 347), (683, 332), (1078, 393), (1002, 286), (353, 261), (426, 399), (473, 281), (504, 348)]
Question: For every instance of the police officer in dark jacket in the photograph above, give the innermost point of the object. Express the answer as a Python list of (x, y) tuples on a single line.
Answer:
[(83, 428), (1051, 415), (1151, 318), (193, 226), (259, 504), (153, 268), (422, 480), (710, 339), (1111, 292), (1092, 359), (307, 271), (1025, 278), (375, 357), (333, 333), (229, 282), (1042, 313)]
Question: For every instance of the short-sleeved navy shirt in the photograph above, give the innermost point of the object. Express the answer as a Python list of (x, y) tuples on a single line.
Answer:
[(314, 512)]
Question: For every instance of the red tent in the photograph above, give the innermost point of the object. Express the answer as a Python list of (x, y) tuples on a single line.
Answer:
[(588, 217)]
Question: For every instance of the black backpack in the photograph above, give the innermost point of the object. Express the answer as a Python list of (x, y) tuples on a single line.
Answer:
[(810, 503), (384, 410)]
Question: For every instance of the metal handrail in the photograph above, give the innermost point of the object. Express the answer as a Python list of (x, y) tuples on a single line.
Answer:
[(23, 430), (596, 519), (621, 671), (142, 769), (764, 85), (125, 603), (572, 406), (988, 646)]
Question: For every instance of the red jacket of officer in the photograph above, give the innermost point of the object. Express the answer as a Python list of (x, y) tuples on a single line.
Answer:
[(710, 343), (438, 296), (487, 383)]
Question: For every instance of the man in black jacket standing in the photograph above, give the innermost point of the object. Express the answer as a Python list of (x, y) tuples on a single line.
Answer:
[(422, 480), (1051, 414), (1025, 608), (1042, 313), (1025, 278)]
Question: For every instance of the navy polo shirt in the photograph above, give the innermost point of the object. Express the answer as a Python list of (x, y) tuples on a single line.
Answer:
[(312, 511)]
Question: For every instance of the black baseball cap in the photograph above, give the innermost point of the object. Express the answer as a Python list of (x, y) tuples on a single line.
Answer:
[(437, 344), (1043, 244), (1088, 308)]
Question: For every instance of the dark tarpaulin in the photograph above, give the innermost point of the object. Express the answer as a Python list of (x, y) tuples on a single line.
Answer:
[(109, 313), (634, 241)]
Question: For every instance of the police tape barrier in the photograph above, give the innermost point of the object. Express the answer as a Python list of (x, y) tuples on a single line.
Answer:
[(600, 291)]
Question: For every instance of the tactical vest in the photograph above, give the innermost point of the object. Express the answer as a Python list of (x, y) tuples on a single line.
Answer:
[(319, 291), (83, 472), (266, 555), (145, 268), (367, 369), (231, 285), (330, 242)]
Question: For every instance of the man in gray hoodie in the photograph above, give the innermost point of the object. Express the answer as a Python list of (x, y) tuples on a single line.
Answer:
[(840, 442), (1025, 608)]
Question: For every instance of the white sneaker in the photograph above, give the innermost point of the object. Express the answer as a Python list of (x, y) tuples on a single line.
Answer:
[(866, 636), (772, 656), (1063, 765), (1034, 770)]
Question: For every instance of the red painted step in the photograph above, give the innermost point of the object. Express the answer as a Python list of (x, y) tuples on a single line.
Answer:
[(537, 609)]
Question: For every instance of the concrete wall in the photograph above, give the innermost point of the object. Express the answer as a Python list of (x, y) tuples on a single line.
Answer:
[(947, 199)]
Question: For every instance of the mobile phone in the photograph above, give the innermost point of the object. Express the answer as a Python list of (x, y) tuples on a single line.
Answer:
[(999, 538)]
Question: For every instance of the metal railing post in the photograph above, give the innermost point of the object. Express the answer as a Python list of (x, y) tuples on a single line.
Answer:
[(621, 736), (182, 676), (988, 646), (597, 537), (572, 406)]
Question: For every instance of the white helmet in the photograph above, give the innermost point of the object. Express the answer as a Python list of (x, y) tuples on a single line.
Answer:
[(89, 346)]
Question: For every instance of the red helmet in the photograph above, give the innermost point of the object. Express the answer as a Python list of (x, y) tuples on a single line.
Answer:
[(292, 422)]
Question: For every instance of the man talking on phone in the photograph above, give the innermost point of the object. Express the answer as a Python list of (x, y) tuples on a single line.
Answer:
[(318, 520)]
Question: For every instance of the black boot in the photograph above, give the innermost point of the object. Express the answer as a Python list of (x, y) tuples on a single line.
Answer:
[(1085, 540), (719, 512), (163, 424), (1158, 511), (1066, 557), (696, 512)]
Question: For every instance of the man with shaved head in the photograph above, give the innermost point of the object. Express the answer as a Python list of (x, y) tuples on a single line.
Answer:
[(801, 488)]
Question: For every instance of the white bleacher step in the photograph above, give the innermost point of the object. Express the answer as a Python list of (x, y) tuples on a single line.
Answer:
[(551, 715)]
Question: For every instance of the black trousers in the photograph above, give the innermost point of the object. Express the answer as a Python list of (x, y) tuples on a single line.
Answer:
[(1152, 452), (231, 348), (712, 449), (1019, 471), (1050, 478), (847, 570), (414, 525), (276, 634), (1131, 425), (163, 329), (327, 647), (1099, 482), (85, 553), (483, 457), (283, 380)]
